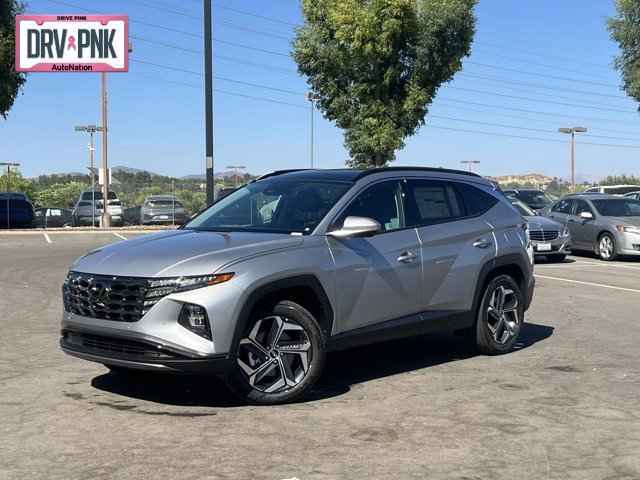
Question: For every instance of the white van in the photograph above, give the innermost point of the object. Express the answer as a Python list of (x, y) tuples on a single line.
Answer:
[(614, 189)]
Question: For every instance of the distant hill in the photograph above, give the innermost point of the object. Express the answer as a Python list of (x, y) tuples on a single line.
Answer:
[(226, 174), (524, 179), (121, 168)]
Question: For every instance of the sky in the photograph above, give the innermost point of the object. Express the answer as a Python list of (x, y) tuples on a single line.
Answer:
[(535, 66)]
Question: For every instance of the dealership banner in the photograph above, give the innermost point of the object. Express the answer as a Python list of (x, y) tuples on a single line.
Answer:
[(72, 43)]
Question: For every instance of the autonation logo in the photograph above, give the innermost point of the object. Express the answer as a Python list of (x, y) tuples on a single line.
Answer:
[(72, 43)]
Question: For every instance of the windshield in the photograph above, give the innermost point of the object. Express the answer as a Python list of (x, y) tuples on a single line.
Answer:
[(625, 207), (275, 205), (98, 195), (523, 209), (534, 198)]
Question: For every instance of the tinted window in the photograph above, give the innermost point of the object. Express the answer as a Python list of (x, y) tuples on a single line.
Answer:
[(618, 208), (98, 195), (277, 205), (476, 201), (84, 204), (582, 206), (522, 208), (563, 206), (431, 202), (534, 197), (382, 202)]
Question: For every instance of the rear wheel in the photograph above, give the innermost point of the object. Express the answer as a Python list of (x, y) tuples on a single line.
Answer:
[(500, 316), (280, 357), (607, 247)]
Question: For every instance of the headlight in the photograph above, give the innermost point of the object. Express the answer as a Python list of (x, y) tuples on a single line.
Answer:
[(166, 286), (628, 229)]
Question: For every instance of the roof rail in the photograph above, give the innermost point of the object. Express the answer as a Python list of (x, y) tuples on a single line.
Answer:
[(280, 172), (421, 169)]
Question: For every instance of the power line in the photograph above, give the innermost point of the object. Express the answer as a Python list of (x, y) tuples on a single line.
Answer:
[(253, 30), (563, 104), (538, 139)]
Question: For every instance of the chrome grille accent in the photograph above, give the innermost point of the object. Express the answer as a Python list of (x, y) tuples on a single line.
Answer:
[(121, 299), (543, 235)]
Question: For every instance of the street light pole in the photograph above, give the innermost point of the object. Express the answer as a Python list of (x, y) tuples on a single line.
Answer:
[(91, 130), (572, 132), (311, 98), (470, 163), (208, 100), (106, 218), (9, 165)]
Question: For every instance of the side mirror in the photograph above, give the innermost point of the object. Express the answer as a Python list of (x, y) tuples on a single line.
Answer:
[(357, 227), (586, 215)]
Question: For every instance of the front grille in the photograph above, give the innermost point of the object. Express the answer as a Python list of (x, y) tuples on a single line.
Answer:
[(111, 345), (121, 299), (543, 235)]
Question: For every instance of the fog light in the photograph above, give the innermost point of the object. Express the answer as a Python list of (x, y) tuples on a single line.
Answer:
[(194, 318)]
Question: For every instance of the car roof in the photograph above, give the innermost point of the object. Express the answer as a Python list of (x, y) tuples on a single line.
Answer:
[(593, 196), (353, 175)]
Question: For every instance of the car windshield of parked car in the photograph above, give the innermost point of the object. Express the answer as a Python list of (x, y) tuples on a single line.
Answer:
[(523, 209), (275, 205), (97, 195), (534, 198), (624, 207)]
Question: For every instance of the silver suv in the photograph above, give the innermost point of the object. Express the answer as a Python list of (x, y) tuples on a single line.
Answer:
[(88, 209), (260, 286)]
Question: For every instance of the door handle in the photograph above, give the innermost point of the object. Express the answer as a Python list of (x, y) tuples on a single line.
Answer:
[(482, 243), (407, 257)]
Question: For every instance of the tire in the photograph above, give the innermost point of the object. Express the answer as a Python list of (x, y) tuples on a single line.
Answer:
[(557, 258), (494, 336), (606, 247), (269, 369)]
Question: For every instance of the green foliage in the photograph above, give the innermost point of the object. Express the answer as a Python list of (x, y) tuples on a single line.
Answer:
[(192, 201), (61, 195), (10, 81), (16, 183), (620, 180), (625, 30), (376, 65)]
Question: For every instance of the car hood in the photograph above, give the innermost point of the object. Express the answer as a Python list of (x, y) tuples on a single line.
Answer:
[(539, 222), (179, 252), (632, 221)]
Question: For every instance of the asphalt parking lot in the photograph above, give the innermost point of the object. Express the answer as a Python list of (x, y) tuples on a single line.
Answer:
[(564, 405)]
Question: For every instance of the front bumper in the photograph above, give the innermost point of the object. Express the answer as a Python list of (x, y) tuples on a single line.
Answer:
[(140, 353), (559, 246), (628, 244)]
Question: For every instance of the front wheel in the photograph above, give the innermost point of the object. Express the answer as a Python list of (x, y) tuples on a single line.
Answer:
[(280, 356), (607, 247), (500, 316)]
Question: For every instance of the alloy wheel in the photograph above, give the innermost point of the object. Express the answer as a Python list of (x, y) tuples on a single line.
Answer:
[(276, 354), (606, 247), (502, 315)]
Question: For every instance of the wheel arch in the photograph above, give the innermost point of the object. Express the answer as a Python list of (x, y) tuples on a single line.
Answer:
[(305, 290), (512, 265)]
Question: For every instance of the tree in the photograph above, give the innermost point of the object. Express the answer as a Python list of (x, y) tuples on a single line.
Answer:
[(61, 195), (625, 30), (374, 66), (10, 81)]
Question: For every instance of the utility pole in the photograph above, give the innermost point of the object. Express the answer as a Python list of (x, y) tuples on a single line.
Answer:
[(236, 176), (470, 163), (91, 130), (106, 218), (9, 165), (208, 100), (572, 132), (311, 97)]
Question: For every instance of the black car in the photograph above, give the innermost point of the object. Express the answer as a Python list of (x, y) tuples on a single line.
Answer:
[(15, 210), (533, 198), (46, 217)]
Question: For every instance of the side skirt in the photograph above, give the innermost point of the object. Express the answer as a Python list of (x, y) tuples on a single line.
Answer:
[(409, 326)]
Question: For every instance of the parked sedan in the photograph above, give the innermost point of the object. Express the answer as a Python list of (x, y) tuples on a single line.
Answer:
[(549, 238), (535, 199), (608, 225), (162, 209), (52, 217)]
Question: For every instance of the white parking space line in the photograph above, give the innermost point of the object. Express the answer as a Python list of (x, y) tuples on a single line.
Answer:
[(47, 237), (590, 284), (612, 265), (119, 236)]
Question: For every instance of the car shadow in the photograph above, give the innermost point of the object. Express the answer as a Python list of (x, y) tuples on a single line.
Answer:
[(342, 371), (545, 261)]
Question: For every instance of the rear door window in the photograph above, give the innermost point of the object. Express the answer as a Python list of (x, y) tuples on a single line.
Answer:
[(476, 201), (432, 201)]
